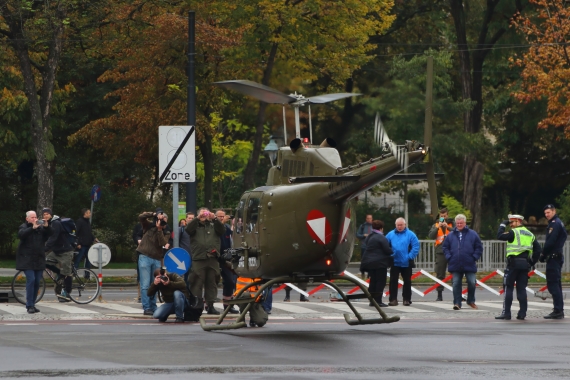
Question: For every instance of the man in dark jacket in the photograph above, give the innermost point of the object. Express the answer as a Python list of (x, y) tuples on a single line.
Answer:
[(462, 249), (85, 238), (376, 260), (30, 257), (205, 232), (174, 293), (229, 278), (554, 257), (60, 253), (150, 254)]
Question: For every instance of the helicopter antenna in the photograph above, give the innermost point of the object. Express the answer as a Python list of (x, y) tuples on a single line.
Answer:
[(284, 125), (310, 126)]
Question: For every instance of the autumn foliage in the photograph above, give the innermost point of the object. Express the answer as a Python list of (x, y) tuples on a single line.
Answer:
[(546, 64)]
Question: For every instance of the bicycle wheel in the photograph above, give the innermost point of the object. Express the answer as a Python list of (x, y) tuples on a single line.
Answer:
[(85, 286), (19, 288)]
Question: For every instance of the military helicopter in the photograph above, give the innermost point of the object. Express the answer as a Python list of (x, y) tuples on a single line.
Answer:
[(300, 226)]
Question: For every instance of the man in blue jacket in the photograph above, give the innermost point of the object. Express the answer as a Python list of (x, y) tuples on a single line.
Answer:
[(405, 247), (462, 249)]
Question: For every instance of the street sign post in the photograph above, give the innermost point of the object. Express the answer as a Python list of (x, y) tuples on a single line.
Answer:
[(177, 260), (176, 163), (99, 254)]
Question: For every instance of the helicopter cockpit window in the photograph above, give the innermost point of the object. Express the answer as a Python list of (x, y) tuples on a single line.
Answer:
[(238, 220), (252, 214)]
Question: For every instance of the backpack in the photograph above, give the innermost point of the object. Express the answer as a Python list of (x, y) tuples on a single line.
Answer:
[(68, 226)]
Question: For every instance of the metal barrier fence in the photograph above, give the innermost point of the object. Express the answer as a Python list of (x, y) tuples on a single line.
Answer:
[(493, 257)]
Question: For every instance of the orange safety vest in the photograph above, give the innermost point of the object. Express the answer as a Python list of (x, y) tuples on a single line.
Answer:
[(244, 282), (440, 235)]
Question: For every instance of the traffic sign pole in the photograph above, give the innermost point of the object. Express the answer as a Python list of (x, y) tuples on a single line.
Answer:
[(175, 228), (100, 274)]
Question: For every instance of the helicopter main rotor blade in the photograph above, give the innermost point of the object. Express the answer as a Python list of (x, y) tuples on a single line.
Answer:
[(320, 99), (264, 93), (430, 172)]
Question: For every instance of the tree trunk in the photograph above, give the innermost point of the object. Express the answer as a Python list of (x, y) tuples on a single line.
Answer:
[(208, 157), (249, 172), (40, 107), (473, 189)]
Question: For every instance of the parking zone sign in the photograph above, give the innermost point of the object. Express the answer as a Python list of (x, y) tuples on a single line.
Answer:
[(183, 169)]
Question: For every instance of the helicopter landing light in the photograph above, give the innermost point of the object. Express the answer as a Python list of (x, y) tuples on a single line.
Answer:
[(319, 227)]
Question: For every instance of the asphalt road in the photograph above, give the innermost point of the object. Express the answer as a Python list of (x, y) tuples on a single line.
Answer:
[(288, 349)]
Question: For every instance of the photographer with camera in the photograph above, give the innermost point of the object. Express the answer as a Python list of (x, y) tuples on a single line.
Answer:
[(30, 256), (154, 237), (174, 293), (439, 232), (205, 232)]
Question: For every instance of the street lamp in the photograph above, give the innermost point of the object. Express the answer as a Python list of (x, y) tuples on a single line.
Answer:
[(271, 149)]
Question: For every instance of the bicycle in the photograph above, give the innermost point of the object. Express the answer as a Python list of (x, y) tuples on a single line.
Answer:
[(84, 286)]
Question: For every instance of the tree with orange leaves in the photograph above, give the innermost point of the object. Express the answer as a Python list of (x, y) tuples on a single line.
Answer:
[(148, 42), (546, 65)]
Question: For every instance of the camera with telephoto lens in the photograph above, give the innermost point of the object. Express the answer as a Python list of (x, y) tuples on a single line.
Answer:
[(163, 275)]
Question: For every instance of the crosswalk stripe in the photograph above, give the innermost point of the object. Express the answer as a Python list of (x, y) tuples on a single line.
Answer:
[(449, 306), (407, 309), (13, 309), (67, 308), (547, 305), (293, 308), (343, 307), (118, 307)]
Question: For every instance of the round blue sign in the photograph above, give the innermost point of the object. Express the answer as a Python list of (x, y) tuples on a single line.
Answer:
[(177, 260), (95, 193)]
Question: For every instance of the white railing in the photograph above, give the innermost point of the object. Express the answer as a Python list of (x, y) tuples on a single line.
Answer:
[(493, 256)]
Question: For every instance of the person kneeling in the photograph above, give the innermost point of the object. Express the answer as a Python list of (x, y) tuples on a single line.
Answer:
[(174, 293)]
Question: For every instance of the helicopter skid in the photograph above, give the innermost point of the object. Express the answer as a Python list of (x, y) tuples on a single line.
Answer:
[(240, 321)]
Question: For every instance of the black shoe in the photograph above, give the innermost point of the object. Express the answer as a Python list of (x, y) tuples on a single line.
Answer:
[(232, 309), (439, 296), (407, 303), (63, 300), (252, 324), (179, 320), (303, 298), (148, 312), (268, 311), (555, 315), (520, 318), (212, 310), (31, 310), (505, 317), (36, 309), (382, 304), (287, 299)]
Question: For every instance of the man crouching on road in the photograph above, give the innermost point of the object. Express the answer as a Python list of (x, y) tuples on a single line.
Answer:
[(174, 293)]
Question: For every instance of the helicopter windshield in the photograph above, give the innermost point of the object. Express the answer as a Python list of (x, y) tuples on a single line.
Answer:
[(239, 218)]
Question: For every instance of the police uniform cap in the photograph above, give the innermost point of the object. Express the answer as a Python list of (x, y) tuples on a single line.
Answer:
[(516, 216), (549, 206)]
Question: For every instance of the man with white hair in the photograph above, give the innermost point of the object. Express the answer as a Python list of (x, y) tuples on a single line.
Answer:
[(405, 248), (520, 243), (462, 249)]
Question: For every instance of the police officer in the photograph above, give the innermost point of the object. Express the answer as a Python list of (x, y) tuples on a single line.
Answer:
[(520, 242), (439, 232), (552, 254)]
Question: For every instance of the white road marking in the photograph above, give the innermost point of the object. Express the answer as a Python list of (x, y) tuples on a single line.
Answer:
[(14, 309)]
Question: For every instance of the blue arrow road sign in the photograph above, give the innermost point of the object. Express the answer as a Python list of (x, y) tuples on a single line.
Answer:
[(177, 260), (95, 193)]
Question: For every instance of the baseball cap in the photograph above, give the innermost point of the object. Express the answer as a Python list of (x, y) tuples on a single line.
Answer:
[(549, 206), (158, 210)]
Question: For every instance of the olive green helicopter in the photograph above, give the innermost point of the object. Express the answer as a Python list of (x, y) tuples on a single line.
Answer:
[(300, 226)]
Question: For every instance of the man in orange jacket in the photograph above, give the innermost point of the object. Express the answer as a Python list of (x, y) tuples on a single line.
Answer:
[(439, 232), (257, 314)]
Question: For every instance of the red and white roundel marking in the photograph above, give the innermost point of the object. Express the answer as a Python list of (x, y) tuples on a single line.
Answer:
[(319, 227)]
